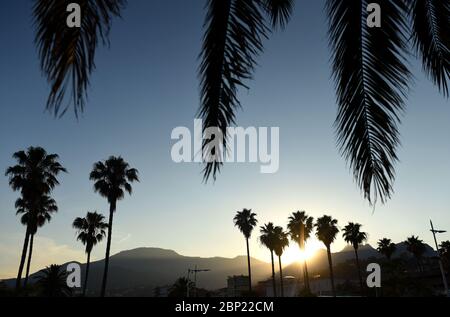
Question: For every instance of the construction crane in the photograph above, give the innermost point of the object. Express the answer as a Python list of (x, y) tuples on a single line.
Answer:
[(194, 271)]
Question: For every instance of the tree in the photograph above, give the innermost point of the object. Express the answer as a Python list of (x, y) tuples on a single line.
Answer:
[(300, 227), (180, 287), (53, 282), (417, 248), (268, 238), (35, 176), (386, 247), (112, 178), (369, 67), (47, 206), (326, 232), (281, 243), (246, 221), (353, 235), (90, 231)]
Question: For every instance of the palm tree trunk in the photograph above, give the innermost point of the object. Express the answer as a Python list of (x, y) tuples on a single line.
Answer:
[(88, 263), (30, 253), (330, 263), (359, 271), (273, 276), (281, 277), (112, 208), (305, 268), (22, 259), (249, 268)]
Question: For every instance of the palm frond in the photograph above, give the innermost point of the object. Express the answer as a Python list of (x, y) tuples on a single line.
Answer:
[(67, 54), (279, 11), (431, 33), (371, 81)]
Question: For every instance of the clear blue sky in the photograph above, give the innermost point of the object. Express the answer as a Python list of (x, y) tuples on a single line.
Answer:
[(146, 84)]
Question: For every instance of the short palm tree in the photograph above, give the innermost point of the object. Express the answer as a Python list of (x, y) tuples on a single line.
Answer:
[(281, 243), (53, 282), (268, 238), (417, 248), (35, 176), (386, 247), (47, 206), (326, 231), (90, 231), (112, 178), (300, 227), (353, 235), (246, 221)]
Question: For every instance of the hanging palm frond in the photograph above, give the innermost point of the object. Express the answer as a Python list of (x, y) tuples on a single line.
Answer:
[(431, 33), (371, 81), (235, 30), (67, 54)]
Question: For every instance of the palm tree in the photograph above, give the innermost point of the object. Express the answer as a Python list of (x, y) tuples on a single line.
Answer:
[(370, 90), (417, 248), (245, 220), (268, 238), (111, 179), (53, 282), (300, 227), (281, 243), (90, 231), (386, 247), (354, 236), (47, 206), (326, 232), (35, 176)]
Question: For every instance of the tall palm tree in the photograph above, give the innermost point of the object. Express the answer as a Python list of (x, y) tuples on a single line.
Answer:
[(353, 235), (281, 243), (300, 226), (369, 67), (268, 238), (326, 231), (47, 206), (90, 231), (53, 282), (111, 179), (417, 248), (34, 175), (246, 221), (386, 247)]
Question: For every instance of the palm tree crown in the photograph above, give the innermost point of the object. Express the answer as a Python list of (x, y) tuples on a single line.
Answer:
[(245, 220), (386, 247), (53, 282), (300, 227), (326, 229), (415, 246), (353, 235), (90, 229)]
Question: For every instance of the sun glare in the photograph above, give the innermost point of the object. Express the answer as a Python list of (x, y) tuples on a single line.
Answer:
[(294, 254)]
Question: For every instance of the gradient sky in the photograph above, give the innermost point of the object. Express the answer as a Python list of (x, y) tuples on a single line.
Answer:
[(146, 85)]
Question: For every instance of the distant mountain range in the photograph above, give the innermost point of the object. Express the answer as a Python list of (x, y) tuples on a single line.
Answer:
[(140, 270)]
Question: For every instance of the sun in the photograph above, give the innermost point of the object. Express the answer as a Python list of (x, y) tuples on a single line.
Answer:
[(293, 254)]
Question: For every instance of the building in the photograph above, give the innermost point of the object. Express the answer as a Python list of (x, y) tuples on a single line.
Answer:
[(237, 285)]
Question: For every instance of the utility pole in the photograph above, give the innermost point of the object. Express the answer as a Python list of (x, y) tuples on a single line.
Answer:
[(444, 279), (195, 271)]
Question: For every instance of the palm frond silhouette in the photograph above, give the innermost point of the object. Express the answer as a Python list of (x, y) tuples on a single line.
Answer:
[(68, 54)]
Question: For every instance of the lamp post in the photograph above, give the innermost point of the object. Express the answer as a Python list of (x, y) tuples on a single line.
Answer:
[(444, 279)]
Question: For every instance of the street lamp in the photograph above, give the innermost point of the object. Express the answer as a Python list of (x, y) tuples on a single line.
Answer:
[(444, 279)]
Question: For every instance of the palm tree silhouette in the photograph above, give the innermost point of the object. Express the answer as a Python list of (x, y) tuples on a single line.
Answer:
[(300, 227), (326, 232), (281, 243), (371, 74), (246, 221), (417, 248), (386, 247), (268, 238), (47, 206), (35, 176), (353, 235), (111, 179), (53, 282), (90, 231)]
